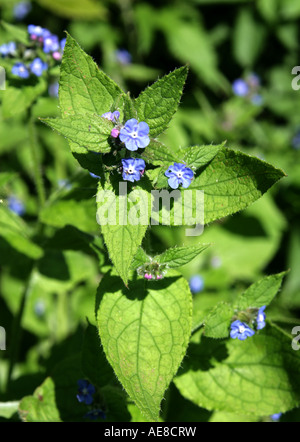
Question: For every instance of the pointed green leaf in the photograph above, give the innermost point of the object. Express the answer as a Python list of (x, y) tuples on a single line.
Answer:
[(179, 256), (140, 258), (259, 376), (260, 293), (157, 104), (158, 154), (232, 181), (124, 219), (198, 156), (8, 409), (16, 33), (91, 132), (145, 332), (218, 321)]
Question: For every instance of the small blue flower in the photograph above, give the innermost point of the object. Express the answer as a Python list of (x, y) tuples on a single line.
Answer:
[(112, 116), (37, 32), (51, 44), (53, 89), (95, 414), (8, 49), (133, 169), (39, 307), (85, 392), (179, 174), (296, 141), (123, 56), (16, 205), (240, 88), (37, 67), (21, 10), (196, 284), (20, 70), (241, 331), (135, 135), (261, 318), (275, 417)]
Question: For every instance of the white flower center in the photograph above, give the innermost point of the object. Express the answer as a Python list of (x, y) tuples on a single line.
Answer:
[(241, 329), (130, 170), (22, 69), (134, 134), (261, 318), (179, 174), (84, 391)]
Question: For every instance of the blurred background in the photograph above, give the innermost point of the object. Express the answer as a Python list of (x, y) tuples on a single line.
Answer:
[(240, 56)]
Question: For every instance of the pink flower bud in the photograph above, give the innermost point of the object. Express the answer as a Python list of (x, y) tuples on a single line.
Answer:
[(159, 276), (148, 276), (56, 55), (115, 133)]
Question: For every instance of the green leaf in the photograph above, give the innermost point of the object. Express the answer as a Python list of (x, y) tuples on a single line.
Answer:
[(41, 407), (16, 33), (85, 88), (198, 156), (218, 321), (93, 361), (158, 154), (124, 219), (145, 332), (157, 104), (260, 293), (16, 233), (91, 132), (6, 177), (179, 256), (75, 9), (140, 258), (8, 409), (258, 376), (16, 100), (232, 181)]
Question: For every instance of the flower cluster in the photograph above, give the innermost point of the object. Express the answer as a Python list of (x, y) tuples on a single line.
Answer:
[(49, 42), (152, 271), (248, 88), (241, 329), (135, 135), (86, 392)]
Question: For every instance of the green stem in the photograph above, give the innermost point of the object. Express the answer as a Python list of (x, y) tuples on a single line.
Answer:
[(36, 162)]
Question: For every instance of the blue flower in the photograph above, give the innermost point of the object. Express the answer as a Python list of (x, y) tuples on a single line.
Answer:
[(39, 307), (37, 67), (51, 44), (179, 174), (135, 135), (16, 205), (253, 80), (85, 392), (296, 141), (196, 284), (37, 32), (95, 414), (275, 417), (133, 169), (20, 70), (8, 49), (123, 56), (53, 89), (261, 318), (240, 88), (241, 331), (21, 10), (112, 116)]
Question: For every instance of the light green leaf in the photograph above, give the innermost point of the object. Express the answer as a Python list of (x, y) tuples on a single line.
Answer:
[(145, 332), (157, 104), (218, 321), (198, 156), (41, 407), (8, 409), (232, 181), (258, 376), (91, 132), (6, 177), (179, 256), (158, 154), (16, 33), (260, 293), (140, 258), (124, 219), (16, 100), (75, 9)]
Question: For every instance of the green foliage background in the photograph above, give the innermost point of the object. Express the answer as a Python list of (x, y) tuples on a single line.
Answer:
[(52, 259)]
